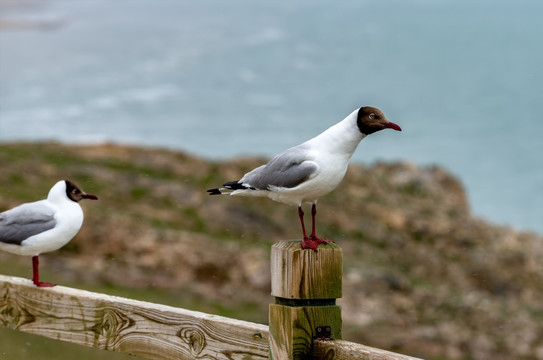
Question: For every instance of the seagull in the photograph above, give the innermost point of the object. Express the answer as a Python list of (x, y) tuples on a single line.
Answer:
[(304, 173), (42, 226)]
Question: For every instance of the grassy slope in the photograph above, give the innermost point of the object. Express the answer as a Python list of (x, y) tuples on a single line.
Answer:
[(422, 276)]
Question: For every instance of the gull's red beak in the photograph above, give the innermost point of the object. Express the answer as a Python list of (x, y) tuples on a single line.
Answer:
[(391, 125), (90, 196)]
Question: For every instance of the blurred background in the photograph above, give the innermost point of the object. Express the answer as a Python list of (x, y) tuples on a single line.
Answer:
[(224, 79), (221, 79)]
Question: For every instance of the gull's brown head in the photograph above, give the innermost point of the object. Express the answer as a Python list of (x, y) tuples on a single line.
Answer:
[(74, 193), (371, 119)]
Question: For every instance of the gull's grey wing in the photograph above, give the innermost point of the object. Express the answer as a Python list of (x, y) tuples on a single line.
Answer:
[(23, 221), (288, 169)]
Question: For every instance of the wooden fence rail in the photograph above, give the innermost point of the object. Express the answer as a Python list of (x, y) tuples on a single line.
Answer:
[(155, 331), (140, 328)]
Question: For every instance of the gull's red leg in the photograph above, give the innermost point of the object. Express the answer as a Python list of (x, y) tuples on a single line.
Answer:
[(313, 236), (301, 215), (307, 243), (36, 274)]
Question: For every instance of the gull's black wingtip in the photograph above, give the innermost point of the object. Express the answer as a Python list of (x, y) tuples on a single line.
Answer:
[(214, 192)]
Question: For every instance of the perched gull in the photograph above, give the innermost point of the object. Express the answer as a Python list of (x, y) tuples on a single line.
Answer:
[(304, 173), (42, 226)]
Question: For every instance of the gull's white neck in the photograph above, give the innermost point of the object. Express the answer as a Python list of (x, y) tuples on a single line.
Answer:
[(341, 138)]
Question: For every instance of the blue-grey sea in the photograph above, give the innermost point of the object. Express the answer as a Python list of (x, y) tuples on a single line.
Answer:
[(219, 79)]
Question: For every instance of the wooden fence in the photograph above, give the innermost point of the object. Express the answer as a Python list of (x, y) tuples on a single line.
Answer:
[(305, 322)]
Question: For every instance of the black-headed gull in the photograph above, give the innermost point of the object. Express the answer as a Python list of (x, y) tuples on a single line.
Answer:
[(42, 226), (304, 173)]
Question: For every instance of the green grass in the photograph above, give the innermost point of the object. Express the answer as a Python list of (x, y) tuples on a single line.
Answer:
[(17, 345)]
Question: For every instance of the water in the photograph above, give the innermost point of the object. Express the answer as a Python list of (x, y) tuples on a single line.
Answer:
[(226, 78)]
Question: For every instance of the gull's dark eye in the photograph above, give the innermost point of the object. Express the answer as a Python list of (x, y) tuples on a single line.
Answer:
[(372, 116)]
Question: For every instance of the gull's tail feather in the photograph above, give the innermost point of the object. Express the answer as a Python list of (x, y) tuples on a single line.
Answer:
[(229, 187)]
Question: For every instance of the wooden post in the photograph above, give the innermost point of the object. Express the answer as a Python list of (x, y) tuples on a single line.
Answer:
[(306, 285)]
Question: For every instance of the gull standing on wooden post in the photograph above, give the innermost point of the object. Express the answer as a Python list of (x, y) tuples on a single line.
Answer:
[(42, 226), (304, 173)]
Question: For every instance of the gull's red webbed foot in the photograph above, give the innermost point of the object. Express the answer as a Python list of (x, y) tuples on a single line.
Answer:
[(307, 243)]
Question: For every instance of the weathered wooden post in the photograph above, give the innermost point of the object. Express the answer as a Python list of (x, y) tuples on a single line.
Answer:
[(306, 285)]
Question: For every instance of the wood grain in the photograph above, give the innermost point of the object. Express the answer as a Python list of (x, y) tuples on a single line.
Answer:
[(344, 350), (306, 274), (140, 328), (293, 329), (306, 284)]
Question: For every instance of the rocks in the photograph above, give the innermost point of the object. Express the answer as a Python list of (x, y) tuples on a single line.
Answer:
[(422, 275)]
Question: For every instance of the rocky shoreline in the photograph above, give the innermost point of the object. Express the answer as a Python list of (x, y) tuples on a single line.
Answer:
[(423, 276)]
